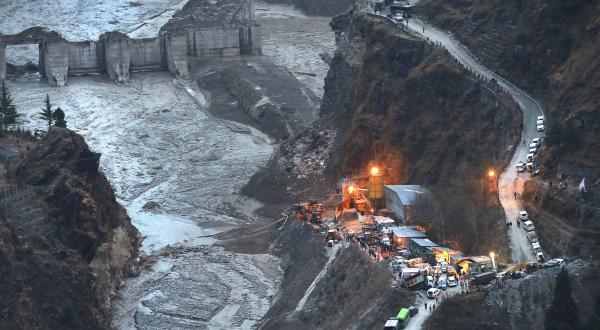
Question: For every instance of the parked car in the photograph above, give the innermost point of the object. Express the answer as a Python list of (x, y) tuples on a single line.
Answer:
[(528, 225), (539, 256), (540, 118), (555, 263), (452, 281), (537, 141), (430, 282), (442, 283), (536, 247), (530, 157), (533, 146), (540, 128), (530, 166), (540, 122), (444, 266), (523, 215), (533, 151), (413, 310), (532, 236), (433, 293)]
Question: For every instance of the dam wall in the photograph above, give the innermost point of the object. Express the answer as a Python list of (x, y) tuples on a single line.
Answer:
[(117, 55)]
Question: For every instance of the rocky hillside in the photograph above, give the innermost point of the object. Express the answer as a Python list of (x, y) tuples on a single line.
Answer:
[(65, 242), (546, 299), (392, 98), (551, 48)]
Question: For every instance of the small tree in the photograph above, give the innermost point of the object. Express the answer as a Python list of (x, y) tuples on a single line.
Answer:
[(59, 118), (8, 110), (47, 114)]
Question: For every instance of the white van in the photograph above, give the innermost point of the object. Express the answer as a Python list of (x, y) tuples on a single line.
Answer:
[(533, 151), (537, 141), (536, 247), (540, 118), (523, 215), (530, 157), (528, 225), (532, 236), (533, 146)]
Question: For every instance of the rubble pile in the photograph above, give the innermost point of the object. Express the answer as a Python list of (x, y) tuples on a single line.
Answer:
[(307, 155)]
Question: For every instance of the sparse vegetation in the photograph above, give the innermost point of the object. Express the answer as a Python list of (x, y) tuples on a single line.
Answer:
[(47, 114)]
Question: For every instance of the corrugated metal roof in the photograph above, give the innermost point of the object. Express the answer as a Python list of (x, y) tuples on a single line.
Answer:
[(407, 232), (424, 242), (408, 193)]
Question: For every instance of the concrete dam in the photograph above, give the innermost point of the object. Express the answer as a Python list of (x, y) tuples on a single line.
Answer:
[(117, 55)]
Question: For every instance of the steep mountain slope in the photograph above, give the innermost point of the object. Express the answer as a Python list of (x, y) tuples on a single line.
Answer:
[(392, 98), (65, 243), (550, 48)]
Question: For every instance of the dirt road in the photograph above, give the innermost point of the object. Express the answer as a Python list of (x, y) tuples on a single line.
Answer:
[(508, 181)]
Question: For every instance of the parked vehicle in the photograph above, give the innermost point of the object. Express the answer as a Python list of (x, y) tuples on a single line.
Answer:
[(540, 118), (541, 128), (403, 317), (433, 293), (444, 266), (528, 225), (532, 236), (533, 151), (539, 256), (442, 284), (537, 141), (392, 324), (555, 263), (536, 247), (413, 310), (533, 146), (523, 216), (452, 281), (530, 157), (540, 122), (430, 282), (530, 166)]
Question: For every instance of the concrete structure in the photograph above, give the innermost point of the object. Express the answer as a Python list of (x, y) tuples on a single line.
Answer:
[(216, 28), (404, 199), (418, 246), (403, 235), (2, 59)]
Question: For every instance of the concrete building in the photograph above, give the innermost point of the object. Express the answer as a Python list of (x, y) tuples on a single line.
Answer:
[(403, 235), (419, 246), (404, 199), (475, 265), (205, 28)]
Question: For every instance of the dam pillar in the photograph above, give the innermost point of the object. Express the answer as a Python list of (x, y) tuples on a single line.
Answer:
[(117, 48), (2, 60), (55, 57), (177, 58)]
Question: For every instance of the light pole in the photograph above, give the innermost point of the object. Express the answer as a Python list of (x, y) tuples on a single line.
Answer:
[(492, 255)]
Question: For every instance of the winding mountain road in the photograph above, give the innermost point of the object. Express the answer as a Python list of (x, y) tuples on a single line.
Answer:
[(509, 181)]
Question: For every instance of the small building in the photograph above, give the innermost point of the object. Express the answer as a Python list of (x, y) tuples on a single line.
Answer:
[(403, 200), (441, 253), (403, 235), (419, 246), (475, 265)]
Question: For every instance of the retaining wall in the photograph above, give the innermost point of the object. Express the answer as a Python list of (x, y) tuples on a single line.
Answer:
[(2, 60)]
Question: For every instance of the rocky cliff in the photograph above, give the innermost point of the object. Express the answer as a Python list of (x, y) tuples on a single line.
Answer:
[(65, 242), (392, 98)]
